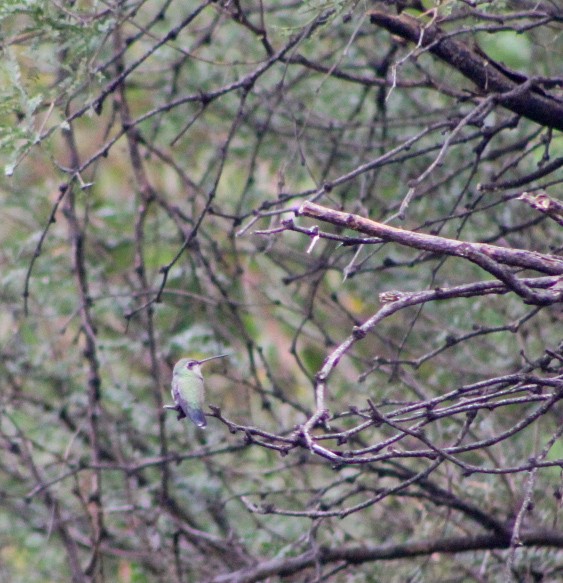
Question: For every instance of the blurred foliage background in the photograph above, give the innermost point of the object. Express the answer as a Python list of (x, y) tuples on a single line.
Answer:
[(143, 144)]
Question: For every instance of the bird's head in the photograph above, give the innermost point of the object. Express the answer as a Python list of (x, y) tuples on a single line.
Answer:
[(191, 364)]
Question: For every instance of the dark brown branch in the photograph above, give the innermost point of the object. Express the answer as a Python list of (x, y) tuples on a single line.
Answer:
[(389, 552), (531, 103), (550, 168), (77, 238), (63, 188)]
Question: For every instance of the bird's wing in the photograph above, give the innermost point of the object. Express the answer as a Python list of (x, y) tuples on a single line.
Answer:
[(184, 409), (181, 403)]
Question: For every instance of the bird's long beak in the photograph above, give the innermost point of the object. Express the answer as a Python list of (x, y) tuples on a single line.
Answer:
[(213, 358)]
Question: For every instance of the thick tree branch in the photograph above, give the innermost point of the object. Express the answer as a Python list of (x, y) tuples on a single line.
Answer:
[(367, 553), (530, 102), (514, 257)]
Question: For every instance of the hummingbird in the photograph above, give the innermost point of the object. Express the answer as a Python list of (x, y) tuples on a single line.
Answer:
[(188, 389)]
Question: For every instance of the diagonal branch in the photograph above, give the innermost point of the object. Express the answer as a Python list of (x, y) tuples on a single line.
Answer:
[(514, 257), (545, 204), (474, 64)]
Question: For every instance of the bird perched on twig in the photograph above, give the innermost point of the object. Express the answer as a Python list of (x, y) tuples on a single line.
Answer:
[(188, 391)]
